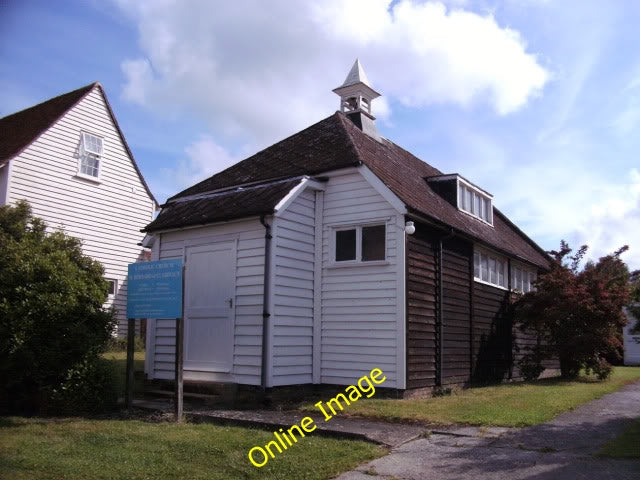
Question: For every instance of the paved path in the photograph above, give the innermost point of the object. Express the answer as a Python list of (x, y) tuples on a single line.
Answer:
[(384, 433), (559, 450)]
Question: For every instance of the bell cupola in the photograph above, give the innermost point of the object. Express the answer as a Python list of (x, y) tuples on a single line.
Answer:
[(355, 100)]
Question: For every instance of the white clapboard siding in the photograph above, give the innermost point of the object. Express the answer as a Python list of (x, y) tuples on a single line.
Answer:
[(247, 354), (360, 304), (292, 316), (106, 216), (631, 341)]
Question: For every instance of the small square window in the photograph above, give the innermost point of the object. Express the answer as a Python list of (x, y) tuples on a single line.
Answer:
[(345, 245), (113, 287), (91, 144), (373, 244), (474, 202), (90, 165), (490, 268)]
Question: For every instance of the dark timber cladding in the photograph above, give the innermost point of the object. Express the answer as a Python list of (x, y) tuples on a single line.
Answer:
[(480, 343), (456, 311), (492, 357), (421, 309), (424, 361)]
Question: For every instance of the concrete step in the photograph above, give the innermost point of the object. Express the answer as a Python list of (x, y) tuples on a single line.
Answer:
[(203, 399)]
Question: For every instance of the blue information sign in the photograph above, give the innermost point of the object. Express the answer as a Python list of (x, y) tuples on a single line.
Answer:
[(155, 289)]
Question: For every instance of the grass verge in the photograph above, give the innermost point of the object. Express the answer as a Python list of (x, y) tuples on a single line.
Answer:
[(512, 405), (118, 360), (52, 449), (627, 445)]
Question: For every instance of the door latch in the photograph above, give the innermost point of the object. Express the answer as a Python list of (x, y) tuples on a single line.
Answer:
[(230, 301)]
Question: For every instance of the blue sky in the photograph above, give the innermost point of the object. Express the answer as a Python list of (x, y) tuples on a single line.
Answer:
[(536, 101)]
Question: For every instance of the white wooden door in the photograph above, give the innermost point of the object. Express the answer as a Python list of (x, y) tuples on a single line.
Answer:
[(209, 305)]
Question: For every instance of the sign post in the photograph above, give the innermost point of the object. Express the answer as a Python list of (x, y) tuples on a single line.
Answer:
[(131, 333), (155, 290), (178, 404)]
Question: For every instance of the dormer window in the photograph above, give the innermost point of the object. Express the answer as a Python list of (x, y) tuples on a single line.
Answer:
[(474, 201), (90, 153)]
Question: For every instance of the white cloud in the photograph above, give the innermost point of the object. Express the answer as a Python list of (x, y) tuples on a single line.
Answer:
[(202, 159), (613, 220), (265, 69), (576, 205)]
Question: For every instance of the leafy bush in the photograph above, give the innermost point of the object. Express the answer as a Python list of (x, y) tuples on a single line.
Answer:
[(600, 367), (51, 314), (578, 314), (89, 387), (119, 344), (531, 364)]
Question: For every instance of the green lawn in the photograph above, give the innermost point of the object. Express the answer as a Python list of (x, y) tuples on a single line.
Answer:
[(626, 445), (516, 404), (49, 449), (119, 362)]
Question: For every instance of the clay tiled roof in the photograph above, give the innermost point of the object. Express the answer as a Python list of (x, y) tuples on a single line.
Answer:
[(319, 148), (21, 129), (225, 205), (336, 142)]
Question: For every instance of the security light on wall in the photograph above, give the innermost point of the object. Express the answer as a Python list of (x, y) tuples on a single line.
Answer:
[(409, 228)]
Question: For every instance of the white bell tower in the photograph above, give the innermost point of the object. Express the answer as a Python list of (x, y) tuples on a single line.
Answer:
[(355, 100)]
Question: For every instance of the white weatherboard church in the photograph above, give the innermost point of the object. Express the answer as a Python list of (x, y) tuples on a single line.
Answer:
[(232, 265), (69, 159), (302, 267)]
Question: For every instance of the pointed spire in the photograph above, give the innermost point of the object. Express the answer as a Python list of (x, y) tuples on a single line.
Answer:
[(357, 80), (355, 99), (356, 75)]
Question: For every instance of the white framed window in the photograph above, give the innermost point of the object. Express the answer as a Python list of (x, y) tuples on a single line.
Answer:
[(490, 268), (359, 244), (90, 155), (113, 287), (522, 278), (473, 201)]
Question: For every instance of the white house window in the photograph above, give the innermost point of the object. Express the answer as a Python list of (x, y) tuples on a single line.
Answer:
[(113, 287), (490, 268), (522, 278), (474, 202), (90, 155), (364, 243), (346, 245)]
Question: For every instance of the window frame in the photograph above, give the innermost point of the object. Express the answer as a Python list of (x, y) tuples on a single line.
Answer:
[(358, 259), (478, 200), (524, 272), (509, 271), (111, 296), (484, 254), (84, 154)]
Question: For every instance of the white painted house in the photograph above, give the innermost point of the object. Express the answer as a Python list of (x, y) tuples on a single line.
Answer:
[(301, 266), (69, 159), (631, 341)]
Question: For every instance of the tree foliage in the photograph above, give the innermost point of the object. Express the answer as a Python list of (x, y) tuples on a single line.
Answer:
[(51, 309), (577, 314)]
